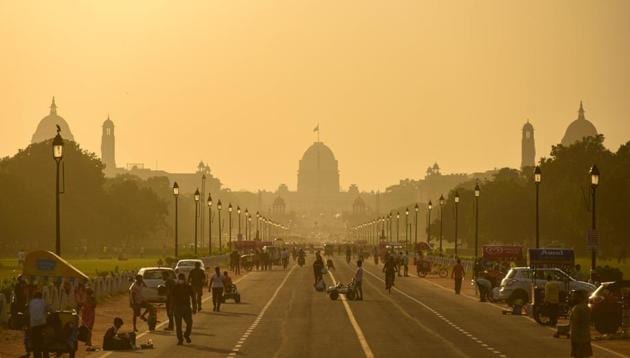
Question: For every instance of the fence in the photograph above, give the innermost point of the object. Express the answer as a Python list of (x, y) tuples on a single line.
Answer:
[(450, 262)]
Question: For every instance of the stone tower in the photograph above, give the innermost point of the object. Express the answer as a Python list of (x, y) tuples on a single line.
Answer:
[(528, 146), (108, 145)]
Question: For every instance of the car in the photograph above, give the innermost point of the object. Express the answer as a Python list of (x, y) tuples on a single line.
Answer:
[(186, 265), (518, 281), (153, 277), (606, 306)]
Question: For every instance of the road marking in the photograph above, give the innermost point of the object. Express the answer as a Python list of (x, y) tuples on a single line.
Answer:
[(162, 324), (436, 313), (357, 329), (261, 314)]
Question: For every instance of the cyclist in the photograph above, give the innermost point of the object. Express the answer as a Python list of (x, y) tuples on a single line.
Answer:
[(390, 270)]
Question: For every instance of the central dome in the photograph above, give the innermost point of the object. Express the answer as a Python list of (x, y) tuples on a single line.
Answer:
[(319, 171), (47, 127), (579, 129)]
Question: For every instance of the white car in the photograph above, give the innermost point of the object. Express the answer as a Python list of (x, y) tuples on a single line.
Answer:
[(518, 282), (152, 278), (186, 265)]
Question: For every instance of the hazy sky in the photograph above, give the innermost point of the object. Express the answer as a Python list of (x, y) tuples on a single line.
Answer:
[(395, 85)]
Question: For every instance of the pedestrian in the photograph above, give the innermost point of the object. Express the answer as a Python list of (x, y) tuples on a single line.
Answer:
[(358, 281), (38, 310), (136, 300), (88, 314), (484, 285), (405, 262), (182, 310), (197, 279), (318, 265), (458, 275), (169, 285), (20, 296), (216, 286), (552, 299), (579, 275), (580, 327), (399, 262)]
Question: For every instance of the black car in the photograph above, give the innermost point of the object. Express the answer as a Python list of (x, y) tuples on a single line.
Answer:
[(606, 304)]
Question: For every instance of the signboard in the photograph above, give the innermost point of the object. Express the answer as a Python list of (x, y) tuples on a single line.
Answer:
[(551, 257), (502, 253), (593, 238)]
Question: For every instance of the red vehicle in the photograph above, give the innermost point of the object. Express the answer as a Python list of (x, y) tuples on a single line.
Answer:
[(606, 304)]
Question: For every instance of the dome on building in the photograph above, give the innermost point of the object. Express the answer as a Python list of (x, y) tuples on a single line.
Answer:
[(47, 127), (579, 129), (319, 171)]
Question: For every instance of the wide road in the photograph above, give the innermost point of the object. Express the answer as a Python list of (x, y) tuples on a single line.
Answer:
[(281, 315)]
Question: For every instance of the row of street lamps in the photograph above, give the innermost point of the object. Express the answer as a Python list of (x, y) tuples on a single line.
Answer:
[(266, 228)]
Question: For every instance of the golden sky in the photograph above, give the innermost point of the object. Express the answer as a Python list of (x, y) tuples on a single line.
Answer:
[(240, 84)]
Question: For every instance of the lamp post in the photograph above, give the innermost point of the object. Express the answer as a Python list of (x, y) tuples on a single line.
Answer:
[(176, 196), (415, 237), (397, 226), (382, 219), (537, 180), (407, 231), (441, 220), (249, 225), (477, 193), (257, 225), (219, 207), (429, 207), (209, 225), (456, 221), (594, 183), (197, 195), (57, 148), (202, 216), (238, 211), (246, 224), (391, 226), (230, 227)]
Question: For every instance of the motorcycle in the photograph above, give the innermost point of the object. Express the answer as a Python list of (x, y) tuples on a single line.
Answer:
[(543, 312), (426, 268), (301, 261), (389, 281), (340, 288)]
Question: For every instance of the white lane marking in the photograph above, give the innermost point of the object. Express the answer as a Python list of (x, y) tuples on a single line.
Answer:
[(162, 324), (446, 320), (262, 312), (357, 329), (608, 350)]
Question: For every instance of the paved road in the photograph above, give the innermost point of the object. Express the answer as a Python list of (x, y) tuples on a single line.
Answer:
[(282, 316)]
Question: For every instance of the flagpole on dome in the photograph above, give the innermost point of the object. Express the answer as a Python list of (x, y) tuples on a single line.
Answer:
[(316, 129)]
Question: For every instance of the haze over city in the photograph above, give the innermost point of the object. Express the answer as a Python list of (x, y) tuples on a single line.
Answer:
[(241, 85)]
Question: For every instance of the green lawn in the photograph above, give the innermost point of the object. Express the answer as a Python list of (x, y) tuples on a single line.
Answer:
[(9, 269)]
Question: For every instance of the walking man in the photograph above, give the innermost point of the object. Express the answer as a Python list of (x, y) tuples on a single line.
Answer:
[(182, 295), (216, 286), (405, 262), (197, 279), (358, 281), (169, 283), (458, 274), (136, 299)]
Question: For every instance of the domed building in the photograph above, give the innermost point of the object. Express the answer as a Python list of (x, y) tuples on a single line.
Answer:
[(318, 173), (47, 127), (579, 129)]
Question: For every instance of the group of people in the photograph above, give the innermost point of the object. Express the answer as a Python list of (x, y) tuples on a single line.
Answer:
[(29, 302), (183, 298)]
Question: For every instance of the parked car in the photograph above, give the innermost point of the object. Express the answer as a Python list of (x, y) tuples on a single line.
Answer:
[(518, 281), (186, 265), (153, 277), (606, 305)]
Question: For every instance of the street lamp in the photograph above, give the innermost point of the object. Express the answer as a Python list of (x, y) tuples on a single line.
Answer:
[(456, 220), (238, 211), (407, 233), (176, 196), (249, 225), (398, 226), (57, 148), (477, 193), (594, 183), (415, 237), (219, 207), (197, 196), (230, 227), (441, 220), (429, 207), (246, 224), (209, 225), (537, 180), (257, 225)]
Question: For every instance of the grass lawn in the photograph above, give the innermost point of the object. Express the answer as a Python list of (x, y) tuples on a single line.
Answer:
[(9, 269)]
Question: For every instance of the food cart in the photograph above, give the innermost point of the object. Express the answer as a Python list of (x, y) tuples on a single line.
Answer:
[(496, 261), (44, 267), (547, 258)]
